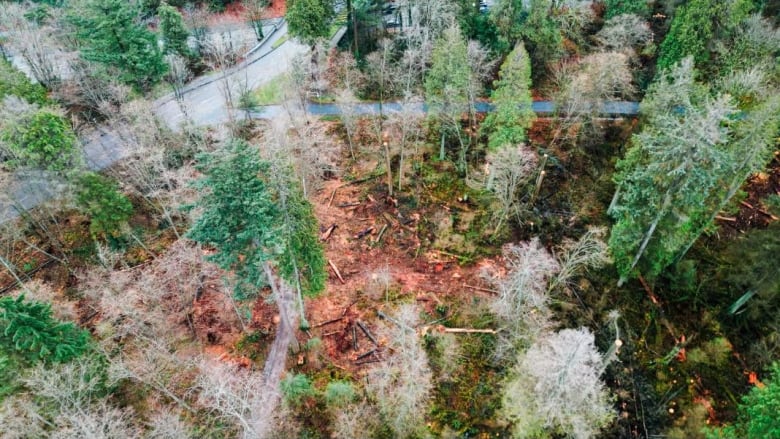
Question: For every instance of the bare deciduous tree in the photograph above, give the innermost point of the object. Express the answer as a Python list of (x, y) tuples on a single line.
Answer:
[(509, 168), (36, 44), (403, 382), (624, 33), (556, 387), (523, 299), (585, 86), (239, 396), (590, 251)]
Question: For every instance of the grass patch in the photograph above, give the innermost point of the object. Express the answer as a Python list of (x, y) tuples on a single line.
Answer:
[(271, 92), (279, 42)]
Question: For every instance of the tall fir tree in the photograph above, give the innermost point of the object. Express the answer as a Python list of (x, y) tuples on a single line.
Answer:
[(174, 32), (513, 114), (447, 84), (309, 20), (110, 33), (669, 171), (251, 222)]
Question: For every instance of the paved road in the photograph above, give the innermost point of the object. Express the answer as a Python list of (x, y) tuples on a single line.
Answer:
[(203, 99), (205, 105), (542, 108)]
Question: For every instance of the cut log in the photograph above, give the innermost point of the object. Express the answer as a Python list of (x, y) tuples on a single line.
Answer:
[(366, 331), (381, 232), (487, 290), (336, 270), (333, 194), (726, 218), (364, 232), (329, 231), (328, 322), (469, 331), (362, 356)]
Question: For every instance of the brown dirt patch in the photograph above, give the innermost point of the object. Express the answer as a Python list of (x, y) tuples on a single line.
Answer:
[(753, 213), (396, 265)]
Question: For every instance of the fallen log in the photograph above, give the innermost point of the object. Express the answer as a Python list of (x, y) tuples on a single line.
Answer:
[(329, 231), (336, 270), (364, 232), (342, 205), (333, 194), (487, 290), (381, 232), (372, 360), (362, 356), (726, 218), (328, 322), (366, 331), (469, 331)]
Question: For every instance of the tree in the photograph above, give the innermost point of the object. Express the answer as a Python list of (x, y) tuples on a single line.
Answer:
[(512, 116), (542, 36), (523, 298), (620, 7), (32, 335), (510, 169), (447, 85), (110, 33), (669, 171), (507, 17), (696, 25), (254, 218), (757, 413), (174, 32), (309, 20), (34, 41), (108, 209), (14, 83), (624, 33), (402, 384), (255, 11), (42, 139), (585, 86), (555, 388), (239, 215)]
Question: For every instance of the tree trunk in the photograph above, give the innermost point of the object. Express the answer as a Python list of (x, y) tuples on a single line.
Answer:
[(649, 234)]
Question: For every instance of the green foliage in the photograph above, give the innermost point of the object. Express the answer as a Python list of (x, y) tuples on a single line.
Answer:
[(619, 7), (111, 34), (447, 81), (303, 259), (295, 388), (688, 161), (31, 334), (507, 16), (479, 26), (339, 393), (251, 221), (757, 414), (695, 25), (513, 115), (15, 83), (542, 36), (309, 20), (107, 208), (44, 140), (239, 217), (174, 32)]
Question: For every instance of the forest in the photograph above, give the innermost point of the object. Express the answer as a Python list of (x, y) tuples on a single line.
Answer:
[(390, 219)]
